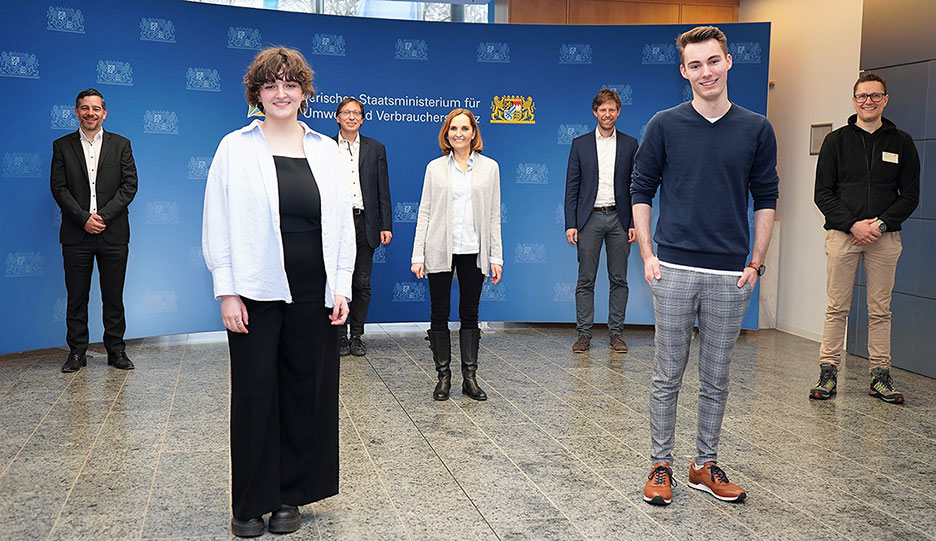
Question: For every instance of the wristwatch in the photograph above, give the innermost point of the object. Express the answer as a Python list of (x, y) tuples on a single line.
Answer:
[(759, 268), (881, 225)]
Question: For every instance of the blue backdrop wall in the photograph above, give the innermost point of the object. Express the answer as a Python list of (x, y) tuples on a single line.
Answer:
[(171, 74)]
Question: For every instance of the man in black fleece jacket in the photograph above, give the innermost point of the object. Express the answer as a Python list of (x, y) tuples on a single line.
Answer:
[(706, 157), (867, 184)]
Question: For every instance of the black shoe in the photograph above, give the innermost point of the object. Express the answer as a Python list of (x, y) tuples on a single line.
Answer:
[(120, 360), (286, 520), (344, 346), (357, 347), (74, 362), (882, 386), (828, 379), (247, 528)]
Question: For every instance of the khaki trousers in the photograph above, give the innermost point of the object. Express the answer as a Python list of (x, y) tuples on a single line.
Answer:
[(880, 264)]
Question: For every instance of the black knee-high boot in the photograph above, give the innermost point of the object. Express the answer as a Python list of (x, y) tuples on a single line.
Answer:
[(468, 342), (440, 342)]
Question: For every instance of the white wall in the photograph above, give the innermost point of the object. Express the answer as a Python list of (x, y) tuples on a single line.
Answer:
[(814, 56)]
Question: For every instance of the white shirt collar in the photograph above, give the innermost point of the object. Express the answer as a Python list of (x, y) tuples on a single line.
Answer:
[(599, 137), (97, 136)]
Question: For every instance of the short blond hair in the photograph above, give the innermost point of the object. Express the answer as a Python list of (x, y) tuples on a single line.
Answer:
[(476, 144)]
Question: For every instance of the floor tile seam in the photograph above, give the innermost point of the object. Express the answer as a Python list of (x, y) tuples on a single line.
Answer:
[(419, 431), (84, 463), (318, 529), (38, 425), (162, 440), (380, 479), (602, 392), (592, 470), (429, 444), (806, 413), (808, 510)]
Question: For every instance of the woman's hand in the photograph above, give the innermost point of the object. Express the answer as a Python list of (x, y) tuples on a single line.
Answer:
[(496, 272), (234, 313), (419, 270), (340, 311)]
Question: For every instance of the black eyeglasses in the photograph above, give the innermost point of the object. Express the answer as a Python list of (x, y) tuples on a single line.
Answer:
[(875, 98), (360, 114)]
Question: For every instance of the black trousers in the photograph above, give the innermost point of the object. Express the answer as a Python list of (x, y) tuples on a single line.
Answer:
[(360, 279), (112, 268), (470, 280), (284, 393)]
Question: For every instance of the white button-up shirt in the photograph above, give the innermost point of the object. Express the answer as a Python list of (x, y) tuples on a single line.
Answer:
[(464, 236), (350, 153), (607, 151), (92, 153), (241, 238)]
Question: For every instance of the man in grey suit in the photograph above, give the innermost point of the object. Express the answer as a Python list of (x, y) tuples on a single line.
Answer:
[(598, 209), (93, 180), (365, 162)]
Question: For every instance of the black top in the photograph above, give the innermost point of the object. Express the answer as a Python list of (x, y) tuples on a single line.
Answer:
[(299, 200)]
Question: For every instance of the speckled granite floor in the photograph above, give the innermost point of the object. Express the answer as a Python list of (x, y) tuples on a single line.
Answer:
[(559, 451)]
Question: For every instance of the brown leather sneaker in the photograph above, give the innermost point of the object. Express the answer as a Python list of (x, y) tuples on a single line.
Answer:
[(617, 344), (658, 490), (582, 344), (713, 480)]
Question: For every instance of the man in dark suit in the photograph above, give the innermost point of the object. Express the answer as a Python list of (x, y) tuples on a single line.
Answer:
[(598, 209), (365, 161), (93, 180)]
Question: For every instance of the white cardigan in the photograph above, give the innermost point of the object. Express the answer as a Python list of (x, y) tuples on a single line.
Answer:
[(432, 244), (241, 238)]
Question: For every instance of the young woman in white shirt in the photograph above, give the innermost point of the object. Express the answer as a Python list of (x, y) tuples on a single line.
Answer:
[(458, 230), (278, 238)]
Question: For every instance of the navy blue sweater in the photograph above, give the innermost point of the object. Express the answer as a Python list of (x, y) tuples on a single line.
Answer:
[(705, 172)]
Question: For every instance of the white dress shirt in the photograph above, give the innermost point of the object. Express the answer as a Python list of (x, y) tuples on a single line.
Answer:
[(464, 236), (92, 153), (350, 153), (607, 151), (241, 238)]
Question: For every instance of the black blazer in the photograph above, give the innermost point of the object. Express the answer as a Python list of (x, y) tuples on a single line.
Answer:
[(582, 179), (375, 187), (116, 185)]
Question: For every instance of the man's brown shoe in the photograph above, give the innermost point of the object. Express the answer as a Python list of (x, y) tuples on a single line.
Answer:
[(712, 479), (659, 487), (582, 344), (617, 344)]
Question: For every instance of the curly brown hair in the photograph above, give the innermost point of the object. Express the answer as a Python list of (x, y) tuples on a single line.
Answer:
[(277, 63)]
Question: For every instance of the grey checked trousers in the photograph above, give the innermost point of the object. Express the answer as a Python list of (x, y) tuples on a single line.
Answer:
[(679, 298)]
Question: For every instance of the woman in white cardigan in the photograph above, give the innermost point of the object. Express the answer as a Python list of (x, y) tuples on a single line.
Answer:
[(278, 238), (458, 230)]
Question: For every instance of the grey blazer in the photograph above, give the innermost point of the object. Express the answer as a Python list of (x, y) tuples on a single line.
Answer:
[(433, 243)]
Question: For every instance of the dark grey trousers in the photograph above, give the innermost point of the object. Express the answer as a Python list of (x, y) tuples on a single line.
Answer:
[(601, 227)]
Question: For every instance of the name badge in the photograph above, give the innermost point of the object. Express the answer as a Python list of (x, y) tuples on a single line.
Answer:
[(889, 157)]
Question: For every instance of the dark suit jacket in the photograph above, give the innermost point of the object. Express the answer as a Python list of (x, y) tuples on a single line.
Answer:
[(375, 187), (116, 185), (582, 179)]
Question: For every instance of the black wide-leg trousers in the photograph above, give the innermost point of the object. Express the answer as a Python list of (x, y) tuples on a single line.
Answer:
[(284, 395)]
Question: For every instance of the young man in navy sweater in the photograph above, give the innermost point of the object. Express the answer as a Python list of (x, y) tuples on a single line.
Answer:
[(706, 156)]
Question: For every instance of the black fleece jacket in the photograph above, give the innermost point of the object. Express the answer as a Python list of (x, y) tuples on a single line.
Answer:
[(849, 188)]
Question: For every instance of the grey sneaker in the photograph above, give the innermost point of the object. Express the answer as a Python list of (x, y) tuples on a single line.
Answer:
[(882, 386), (825, 387), (582, 344)]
